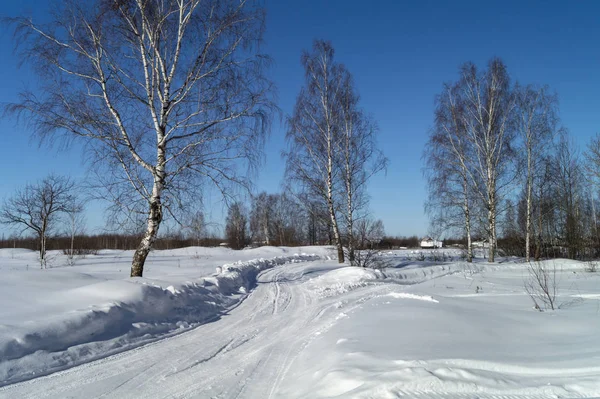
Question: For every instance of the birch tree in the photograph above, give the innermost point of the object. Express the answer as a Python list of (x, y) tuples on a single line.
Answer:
[(536, 121), (359, 158), (37, 209), (75, 221), (489, 106), (198, 227), (167, 95), (447, 158), (314, 131)]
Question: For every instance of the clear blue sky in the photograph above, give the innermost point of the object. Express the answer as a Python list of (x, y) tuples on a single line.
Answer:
[(400, 53)]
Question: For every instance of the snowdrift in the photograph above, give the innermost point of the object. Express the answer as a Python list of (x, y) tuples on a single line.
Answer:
[(129, 313)]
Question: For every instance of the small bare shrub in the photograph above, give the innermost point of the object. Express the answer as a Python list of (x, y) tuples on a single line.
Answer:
[(368, 258), (542, 286), (592, 266), (78, 253)]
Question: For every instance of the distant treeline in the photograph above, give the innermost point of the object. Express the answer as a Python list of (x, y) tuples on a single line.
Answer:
[(106, 241), (129, 242)]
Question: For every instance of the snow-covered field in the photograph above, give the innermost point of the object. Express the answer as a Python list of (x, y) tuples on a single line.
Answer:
[(291, 323)]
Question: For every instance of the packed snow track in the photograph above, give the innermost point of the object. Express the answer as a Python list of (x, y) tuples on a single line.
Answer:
[(254, 342)]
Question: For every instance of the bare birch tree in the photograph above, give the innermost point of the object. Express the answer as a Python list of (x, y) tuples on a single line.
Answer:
[(75, 221), (447, 158), (536, 121), (314, 131), (358, 157), (37, 208), (198, 227), (489, 105), (167, 95)]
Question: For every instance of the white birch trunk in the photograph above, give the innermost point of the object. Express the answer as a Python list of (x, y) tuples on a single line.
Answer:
[(155, 215), (467, 221), (334, 223), (529, 203), (492, 225), (42, 250), (349, 198)]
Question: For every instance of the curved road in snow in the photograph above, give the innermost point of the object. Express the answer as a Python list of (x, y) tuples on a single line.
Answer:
[(243, 354)]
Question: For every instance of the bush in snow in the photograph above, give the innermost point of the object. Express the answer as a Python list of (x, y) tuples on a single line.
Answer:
[(541, 285), (592, 266), (368, 258)]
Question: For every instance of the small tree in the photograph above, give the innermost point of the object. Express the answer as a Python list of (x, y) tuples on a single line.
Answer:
[(198, 227), (236, 226), (75, 221), (37, 207)]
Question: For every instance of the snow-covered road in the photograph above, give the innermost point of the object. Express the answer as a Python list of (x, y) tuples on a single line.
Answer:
[(245, 353)]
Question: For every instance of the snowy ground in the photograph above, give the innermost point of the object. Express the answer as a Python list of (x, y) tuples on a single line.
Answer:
[(308, 328)]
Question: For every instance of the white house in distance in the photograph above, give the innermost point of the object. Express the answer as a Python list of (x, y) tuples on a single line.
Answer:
[(429, 243)]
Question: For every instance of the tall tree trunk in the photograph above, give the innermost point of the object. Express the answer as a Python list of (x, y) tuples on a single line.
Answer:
[(467, 212), (528, 217), (42, 250), (155, 217), (492, 229), (143, 249), (540, 232), (266, 232), (334, 223), (71, 253), (349, 210), (468, 232)]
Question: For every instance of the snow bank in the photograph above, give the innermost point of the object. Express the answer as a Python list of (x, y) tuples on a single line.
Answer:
[(127, 313), (345, 279)]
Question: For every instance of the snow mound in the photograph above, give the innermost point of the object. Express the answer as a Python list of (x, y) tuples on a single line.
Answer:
[(128, 313), (345, 279)]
